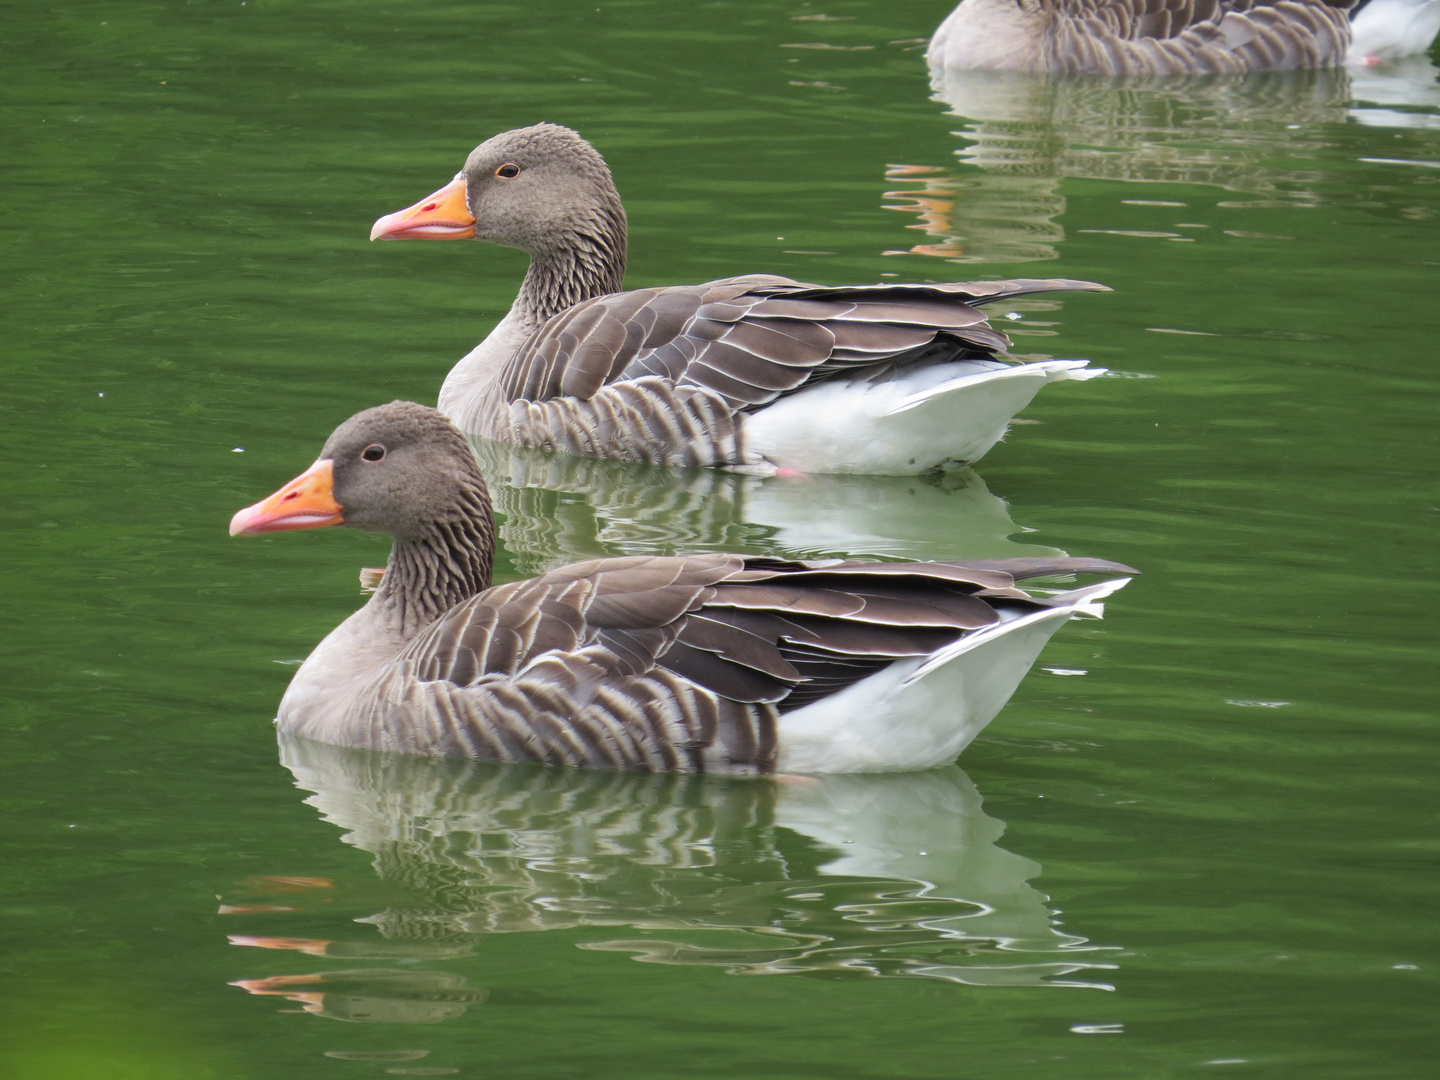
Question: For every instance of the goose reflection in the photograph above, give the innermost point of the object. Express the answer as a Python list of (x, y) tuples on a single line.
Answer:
[(557, 509), (890, 876), (373, 995), (1241, 133)]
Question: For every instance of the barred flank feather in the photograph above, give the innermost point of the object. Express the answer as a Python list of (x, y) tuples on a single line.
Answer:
[(1144, 37)]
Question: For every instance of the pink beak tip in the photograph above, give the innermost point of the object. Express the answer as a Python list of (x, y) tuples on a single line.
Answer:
[(240, 523), (378, 230)]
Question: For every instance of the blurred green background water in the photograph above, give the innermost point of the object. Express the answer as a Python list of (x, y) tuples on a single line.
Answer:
[(1218, 843)]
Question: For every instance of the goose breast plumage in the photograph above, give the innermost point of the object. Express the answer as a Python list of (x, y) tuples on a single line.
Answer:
[(1173, 37), (758, 372), (707, 662)]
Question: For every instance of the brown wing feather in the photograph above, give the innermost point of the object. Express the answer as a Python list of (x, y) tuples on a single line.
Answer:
[(751, 339), (1165, 37), (506, 627), (790, 634)]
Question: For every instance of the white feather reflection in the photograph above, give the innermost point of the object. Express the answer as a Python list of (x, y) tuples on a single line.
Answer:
[(556, 509), (1400, 95)]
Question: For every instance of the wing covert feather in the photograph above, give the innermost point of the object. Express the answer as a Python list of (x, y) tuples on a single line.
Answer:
[(677, 663), (751, 339)]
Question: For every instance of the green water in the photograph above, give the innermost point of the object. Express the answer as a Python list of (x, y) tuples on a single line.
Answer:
[(1212, 852)]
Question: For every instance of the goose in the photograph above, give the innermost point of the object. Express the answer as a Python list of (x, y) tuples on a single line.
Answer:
[(711, 662), (758, 372), (1174, 37)]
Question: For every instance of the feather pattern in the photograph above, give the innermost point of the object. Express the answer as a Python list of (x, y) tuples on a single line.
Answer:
[(679, 375), (664, 663), (672, 376), (1147, 37), (668, 663)]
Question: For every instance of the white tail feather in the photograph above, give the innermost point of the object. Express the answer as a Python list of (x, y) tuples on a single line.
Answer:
[(1084, 601), (937, 416), (1053, 370), (1388, 29)]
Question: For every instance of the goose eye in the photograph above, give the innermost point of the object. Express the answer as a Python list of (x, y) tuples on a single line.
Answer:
[(508, 171), (373, 452)]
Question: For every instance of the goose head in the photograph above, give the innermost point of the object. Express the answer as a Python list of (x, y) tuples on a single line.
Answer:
[(536, 188), (400, 469)]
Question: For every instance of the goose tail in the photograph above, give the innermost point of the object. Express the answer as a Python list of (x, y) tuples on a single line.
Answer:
[(1389, 29), (1086, 602), (921, 713), (938, 417)]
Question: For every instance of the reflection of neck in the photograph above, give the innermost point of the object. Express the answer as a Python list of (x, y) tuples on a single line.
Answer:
[(444, 564)]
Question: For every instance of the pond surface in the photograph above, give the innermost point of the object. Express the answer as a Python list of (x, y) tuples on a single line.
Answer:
[(1200, 839)]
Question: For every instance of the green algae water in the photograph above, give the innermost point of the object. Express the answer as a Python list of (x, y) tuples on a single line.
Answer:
[(1201, 838)]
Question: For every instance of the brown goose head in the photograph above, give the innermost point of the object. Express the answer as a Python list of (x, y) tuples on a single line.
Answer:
[(535, 188), (400, 469)]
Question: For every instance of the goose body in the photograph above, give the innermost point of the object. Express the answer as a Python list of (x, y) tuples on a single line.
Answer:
[(758, 372), (707, 662), (1173, 37)]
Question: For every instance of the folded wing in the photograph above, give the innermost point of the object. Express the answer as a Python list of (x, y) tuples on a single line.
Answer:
[(678, 663), (750, 340)]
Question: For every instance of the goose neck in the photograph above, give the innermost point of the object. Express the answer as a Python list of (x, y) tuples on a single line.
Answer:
[(439, 565), (586, 261)]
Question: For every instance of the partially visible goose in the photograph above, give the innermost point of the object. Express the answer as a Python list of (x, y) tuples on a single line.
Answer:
[(759, 372), (1173, 37), (648, 662)]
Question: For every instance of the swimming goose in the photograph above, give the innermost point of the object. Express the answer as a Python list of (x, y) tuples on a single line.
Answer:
[(758, 372), (1174, 37), (706, 662)]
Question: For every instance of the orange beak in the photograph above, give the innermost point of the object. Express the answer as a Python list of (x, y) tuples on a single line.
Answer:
[(441, 216), (307, 502)]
